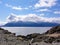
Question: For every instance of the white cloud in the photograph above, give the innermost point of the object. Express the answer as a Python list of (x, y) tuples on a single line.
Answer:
[(30, 6), (32, 18), (41, 10), (41, 15), (26, 8), (45, 3), (14, 17), (56, 12), (16, 7), (2, 23)]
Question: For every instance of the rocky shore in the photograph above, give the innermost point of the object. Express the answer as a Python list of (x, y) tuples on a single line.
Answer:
[(50, 37)]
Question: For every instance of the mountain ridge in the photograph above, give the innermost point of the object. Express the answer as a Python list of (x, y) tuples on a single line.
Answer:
[(30, 24)]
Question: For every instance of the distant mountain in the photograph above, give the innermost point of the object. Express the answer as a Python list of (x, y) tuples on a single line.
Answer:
[(30, 24), (31, 20)]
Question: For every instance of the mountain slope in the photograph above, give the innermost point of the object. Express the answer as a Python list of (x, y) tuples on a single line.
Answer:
[(30, 24)]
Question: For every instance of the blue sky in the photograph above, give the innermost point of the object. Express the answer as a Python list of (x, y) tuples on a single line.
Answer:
[(47, 9)]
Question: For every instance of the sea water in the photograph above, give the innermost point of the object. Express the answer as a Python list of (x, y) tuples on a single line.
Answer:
[(26, 30)]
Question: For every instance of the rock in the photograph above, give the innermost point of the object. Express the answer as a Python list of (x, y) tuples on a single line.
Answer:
[(1, 29), (8, 38), (30, 36), (47, 37), (49, 40), (55, 29)]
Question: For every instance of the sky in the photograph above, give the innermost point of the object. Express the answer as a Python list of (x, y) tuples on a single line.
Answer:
[(29, 10)]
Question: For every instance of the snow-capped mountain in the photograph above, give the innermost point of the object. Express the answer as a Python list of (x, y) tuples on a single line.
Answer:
[(31, 20)]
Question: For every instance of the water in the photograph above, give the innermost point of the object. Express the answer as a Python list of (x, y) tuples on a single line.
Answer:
[(26, 30)]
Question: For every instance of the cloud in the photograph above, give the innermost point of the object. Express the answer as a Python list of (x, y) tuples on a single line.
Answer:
[(30, 6), (41, 15), (14, 17), (16, 7), (2, 23), (42, 10), (32, 18), (56, 12), (45, 3)]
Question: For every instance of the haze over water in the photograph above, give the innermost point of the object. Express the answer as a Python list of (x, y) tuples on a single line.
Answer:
[(26, 30)]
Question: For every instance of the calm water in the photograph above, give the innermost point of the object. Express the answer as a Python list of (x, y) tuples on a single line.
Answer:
[(26, 30)]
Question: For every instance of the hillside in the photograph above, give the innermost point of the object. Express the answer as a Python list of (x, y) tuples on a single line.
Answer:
[(53, 30)]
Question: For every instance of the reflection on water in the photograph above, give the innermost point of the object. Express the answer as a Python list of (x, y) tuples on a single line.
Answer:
[(27, 30)]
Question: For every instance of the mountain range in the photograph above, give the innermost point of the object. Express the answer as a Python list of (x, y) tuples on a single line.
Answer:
[(30, 24), (31, 20)]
